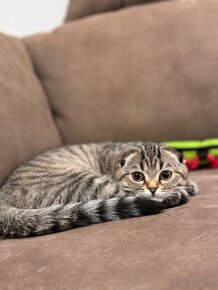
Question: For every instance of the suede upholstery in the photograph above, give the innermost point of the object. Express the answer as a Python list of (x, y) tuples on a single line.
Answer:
[(156, 80), (146, 72), (82, 8), (26, 124), (173, 250)]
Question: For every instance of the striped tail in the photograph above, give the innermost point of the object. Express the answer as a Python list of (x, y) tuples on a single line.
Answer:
[(20, 223)]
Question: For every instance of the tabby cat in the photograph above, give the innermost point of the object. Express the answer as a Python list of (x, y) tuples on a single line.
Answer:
[(78, 185)]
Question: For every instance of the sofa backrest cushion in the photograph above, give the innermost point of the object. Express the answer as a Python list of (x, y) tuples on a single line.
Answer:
[(26, 125), (82, 8), (148, 72)]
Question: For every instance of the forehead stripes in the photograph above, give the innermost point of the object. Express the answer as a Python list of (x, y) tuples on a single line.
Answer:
[(150, 154)]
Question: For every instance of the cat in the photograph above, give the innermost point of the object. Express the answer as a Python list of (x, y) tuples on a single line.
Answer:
[(78, 185)]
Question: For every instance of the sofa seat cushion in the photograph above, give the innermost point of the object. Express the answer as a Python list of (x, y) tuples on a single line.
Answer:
[(26, 124), (166, 251), (148, 72)]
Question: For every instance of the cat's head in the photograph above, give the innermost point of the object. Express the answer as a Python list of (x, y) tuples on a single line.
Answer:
[(151, 168)]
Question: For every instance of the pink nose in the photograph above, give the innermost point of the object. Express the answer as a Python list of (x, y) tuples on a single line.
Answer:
[(153, 189)]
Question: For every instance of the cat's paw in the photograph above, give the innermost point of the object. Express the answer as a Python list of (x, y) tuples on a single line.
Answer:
[(192, 188), (176, 198)]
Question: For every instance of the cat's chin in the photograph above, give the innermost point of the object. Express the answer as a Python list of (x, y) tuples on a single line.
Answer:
[(157, 198)]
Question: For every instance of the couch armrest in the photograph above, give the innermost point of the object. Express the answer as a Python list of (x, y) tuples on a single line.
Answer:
[(26, 124)]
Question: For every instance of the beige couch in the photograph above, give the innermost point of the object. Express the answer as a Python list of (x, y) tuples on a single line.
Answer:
[(145, 72)]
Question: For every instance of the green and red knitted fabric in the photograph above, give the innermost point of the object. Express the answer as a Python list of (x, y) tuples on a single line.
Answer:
[(198, 154)]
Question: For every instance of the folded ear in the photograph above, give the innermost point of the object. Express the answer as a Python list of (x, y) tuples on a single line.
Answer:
[(125, 155), (175, 152)]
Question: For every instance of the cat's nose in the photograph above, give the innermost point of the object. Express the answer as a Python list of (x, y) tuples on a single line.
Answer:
[(153, 189)]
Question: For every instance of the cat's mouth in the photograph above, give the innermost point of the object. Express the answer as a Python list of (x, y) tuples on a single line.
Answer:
[(158, 193)]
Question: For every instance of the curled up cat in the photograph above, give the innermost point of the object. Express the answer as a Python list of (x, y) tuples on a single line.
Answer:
[(79, 185)]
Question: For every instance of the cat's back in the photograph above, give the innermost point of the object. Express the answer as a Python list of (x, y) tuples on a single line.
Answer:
[(60, 160), (52, 171)]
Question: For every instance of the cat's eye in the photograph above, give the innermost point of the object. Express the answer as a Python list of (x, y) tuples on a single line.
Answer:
[(138, 176), (165, 175)]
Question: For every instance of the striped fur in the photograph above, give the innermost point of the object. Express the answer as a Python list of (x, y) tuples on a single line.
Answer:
[(79, 185)]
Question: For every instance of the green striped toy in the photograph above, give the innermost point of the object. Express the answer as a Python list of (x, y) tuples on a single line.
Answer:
[(198, 154)]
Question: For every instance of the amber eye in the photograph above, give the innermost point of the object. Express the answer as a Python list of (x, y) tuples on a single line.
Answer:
[(165, 175), (138, 176)]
